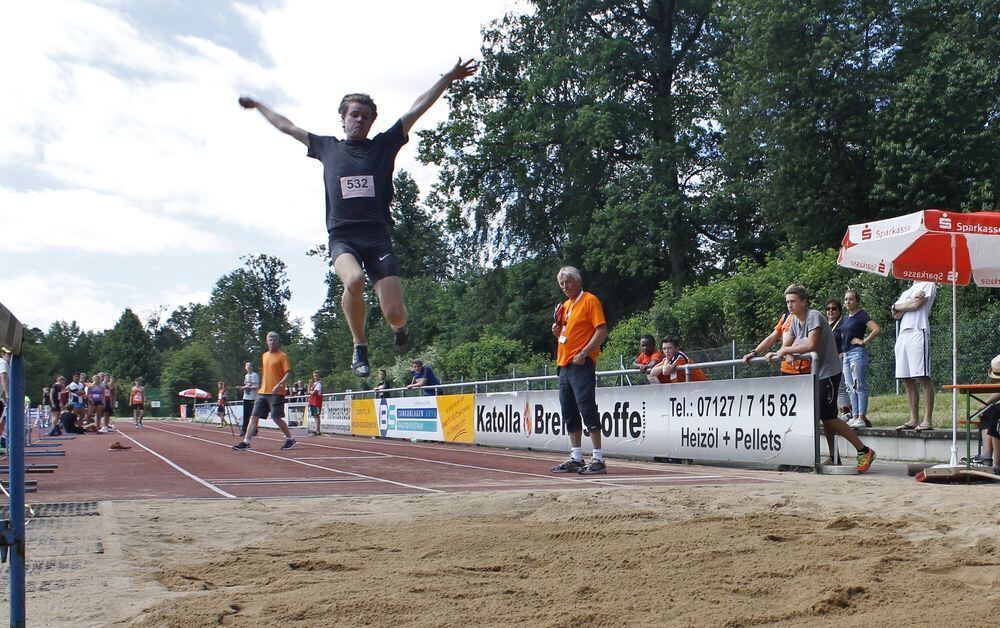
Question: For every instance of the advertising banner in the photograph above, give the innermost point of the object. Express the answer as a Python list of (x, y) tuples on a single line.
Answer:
[(768, 420), (447, 418), (295, 414), (364, 418), (335, 416)]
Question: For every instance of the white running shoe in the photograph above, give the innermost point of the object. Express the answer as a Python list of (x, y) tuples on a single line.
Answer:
[(103, 430), (856, 423)]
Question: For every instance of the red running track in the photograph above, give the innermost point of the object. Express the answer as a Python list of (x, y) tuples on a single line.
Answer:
[(173, 459)]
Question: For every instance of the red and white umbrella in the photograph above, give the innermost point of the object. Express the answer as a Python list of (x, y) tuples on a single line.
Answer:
[(930, 245), (195, 393)]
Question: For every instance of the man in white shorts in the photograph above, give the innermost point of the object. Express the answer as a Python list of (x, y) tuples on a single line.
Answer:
[(913, 350)]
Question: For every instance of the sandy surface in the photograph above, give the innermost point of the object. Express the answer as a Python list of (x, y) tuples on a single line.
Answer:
[(870, 550)]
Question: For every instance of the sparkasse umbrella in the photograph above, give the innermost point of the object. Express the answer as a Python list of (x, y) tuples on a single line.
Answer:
[(930, 245), (195, 393)]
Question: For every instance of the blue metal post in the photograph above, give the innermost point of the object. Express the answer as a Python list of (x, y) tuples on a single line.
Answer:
[(15, 453)]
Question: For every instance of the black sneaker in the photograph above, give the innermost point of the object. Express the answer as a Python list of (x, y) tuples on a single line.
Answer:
[(241, 446), (596, 467), (359, 363), (570, 466), (289, 443), (400, 341)]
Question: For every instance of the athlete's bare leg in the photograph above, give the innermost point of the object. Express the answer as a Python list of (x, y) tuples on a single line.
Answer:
[(390, 299), (353, 300)]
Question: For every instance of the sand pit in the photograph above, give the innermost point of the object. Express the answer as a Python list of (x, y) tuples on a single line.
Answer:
[(868, 550)]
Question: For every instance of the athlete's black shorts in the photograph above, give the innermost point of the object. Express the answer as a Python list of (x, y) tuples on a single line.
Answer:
[(370, 245)]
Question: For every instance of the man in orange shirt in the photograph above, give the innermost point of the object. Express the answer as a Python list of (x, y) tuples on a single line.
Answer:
[(580, 326), (275, 371), (648, 356)]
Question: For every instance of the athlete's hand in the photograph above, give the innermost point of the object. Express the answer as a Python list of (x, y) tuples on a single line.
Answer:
[(462, 69), (247, 103)]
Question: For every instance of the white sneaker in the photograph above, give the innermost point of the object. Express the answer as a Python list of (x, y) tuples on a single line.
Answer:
[(103, 430), (855, 423)]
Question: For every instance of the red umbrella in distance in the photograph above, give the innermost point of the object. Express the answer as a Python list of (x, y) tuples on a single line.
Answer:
[(195, 393)]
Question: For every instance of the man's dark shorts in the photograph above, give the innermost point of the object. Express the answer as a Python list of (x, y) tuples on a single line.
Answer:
[(577, 396), (828, 409), (990, 420), (273, 405), (372, 247)]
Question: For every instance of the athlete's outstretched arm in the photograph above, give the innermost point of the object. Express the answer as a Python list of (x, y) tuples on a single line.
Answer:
[(279, 121), (462, 69)]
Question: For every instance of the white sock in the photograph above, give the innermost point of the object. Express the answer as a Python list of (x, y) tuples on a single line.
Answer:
[(598, 455), (576, 453)]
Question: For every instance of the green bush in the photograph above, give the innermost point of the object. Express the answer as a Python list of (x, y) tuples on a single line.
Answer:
[(490, 356)]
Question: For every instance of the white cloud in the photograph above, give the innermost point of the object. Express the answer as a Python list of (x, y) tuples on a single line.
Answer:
[(35, 298), (92, 221), (39, 299), (137, 128)]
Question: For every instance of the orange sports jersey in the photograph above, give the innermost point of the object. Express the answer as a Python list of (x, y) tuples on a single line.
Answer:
[(678, 375), (273, 367), (138, 395), (579, 322), (795, 367), (642, 358)]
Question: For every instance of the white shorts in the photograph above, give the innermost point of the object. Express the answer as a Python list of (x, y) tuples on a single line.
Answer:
[(913, 354)]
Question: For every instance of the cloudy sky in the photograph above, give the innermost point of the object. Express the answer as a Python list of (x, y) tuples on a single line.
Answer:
[(130, 177)]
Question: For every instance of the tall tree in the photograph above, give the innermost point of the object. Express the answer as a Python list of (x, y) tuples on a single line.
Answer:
[(74, 349), (178, 330), (801, 86), (245, 304), (418, 239), (939, 144), (269, 280), (127, 351), (39, 364), (587, 136)]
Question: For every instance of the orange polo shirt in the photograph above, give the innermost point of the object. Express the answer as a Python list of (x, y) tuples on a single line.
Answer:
[(655, 358), (272, 368), (795, 367), (579, 322)]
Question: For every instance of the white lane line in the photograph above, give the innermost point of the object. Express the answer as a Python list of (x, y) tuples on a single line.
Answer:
[(564, 477), (305, 464), (291, 481), (692, 474), (489, 450), (340, 457), (194, 477)]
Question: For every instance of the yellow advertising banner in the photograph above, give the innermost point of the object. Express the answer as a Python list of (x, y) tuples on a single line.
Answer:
[(457, 414), (364, 417)]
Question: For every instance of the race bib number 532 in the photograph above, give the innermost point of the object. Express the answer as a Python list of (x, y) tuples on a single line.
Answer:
[(353, 187)]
